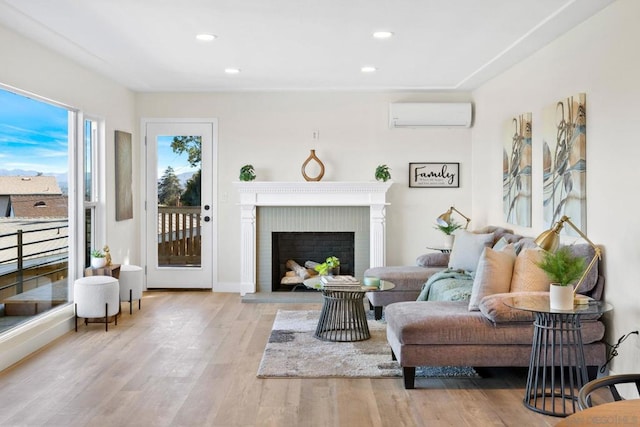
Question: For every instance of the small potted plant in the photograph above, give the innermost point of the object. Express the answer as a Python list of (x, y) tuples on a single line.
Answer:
[(331, 266), (564, 270), (383, 173), (247, 173), (448, 231), (98, 259)]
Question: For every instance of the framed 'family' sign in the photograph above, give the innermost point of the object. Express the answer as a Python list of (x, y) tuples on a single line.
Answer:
[(434, 175)]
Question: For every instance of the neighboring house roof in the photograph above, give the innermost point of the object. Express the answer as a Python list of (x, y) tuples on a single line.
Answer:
[(39, 206), (12, 185)]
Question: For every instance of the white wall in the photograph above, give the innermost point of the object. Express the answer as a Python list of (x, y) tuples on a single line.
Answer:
[(598, 58), (273, 131), (29, 67)]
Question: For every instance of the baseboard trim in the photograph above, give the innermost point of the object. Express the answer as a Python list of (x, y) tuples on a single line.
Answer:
[(31, 336)]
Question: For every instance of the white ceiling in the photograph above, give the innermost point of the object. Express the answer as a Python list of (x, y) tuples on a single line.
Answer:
[(150, 45)]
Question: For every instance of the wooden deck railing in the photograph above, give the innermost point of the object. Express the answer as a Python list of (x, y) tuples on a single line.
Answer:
[(179, 235)]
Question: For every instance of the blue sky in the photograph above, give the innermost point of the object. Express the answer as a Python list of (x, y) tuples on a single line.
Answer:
[(33, 135), (167, 157)]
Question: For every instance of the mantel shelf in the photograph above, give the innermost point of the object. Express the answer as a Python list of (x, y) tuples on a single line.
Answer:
[(328, 193)]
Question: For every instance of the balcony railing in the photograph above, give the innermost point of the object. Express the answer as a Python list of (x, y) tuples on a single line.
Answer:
[(33, 268), (179, 236)]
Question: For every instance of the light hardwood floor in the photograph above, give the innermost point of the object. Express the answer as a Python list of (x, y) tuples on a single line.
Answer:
[(190, 359)]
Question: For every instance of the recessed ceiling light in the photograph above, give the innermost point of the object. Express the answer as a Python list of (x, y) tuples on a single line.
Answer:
[(382, 34), (206, 37), (368, 69), (232, 70)]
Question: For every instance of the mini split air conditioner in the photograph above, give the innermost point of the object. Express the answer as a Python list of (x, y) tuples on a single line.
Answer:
[(423, 114)]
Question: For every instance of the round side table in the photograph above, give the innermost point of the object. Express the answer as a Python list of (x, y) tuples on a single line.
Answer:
[(557, 367)]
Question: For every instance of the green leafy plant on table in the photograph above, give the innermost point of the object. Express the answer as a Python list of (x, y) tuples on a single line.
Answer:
[(562, 267), (449, 228), (329, 264)]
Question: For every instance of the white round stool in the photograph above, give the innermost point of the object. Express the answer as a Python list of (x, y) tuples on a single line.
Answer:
[(131, 285), (96, 297)]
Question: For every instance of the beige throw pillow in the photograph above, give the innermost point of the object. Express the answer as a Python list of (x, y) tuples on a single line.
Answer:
[(527, 276), (467, 248), (493, 275)]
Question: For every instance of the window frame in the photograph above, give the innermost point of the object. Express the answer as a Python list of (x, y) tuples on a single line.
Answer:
[(96, 205)]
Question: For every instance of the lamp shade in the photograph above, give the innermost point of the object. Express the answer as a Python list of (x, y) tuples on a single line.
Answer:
[(444, 219), (548, 240)]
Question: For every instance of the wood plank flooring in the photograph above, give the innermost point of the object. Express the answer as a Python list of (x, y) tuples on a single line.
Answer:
[(190, 358)]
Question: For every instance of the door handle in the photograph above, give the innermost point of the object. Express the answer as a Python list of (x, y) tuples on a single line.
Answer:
[(207, 207), (207, 219)]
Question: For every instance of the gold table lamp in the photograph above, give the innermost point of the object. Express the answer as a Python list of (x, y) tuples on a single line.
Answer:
[(445, 218), (550, 240)]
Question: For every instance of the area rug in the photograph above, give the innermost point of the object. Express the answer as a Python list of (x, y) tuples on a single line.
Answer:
[(293, 351)]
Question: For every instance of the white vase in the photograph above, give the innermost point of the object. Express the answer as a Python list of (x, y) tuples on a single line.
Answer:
[(98, 262), (447, 243), (560, 297)]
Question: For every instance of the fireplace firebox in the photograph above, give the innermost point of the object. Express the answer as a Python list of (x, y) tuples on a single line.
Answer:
[(309, 246)]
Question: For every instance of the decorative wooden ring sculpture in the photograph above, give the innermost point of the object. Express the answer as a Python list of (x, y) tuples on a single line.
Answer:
[(312, 157)]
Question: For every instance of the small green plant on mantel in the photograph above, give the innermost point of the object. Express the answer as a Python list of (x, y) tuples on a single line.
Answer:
[(449, 228), (247, 173), (562, 267), (383, 173), (329, 264)]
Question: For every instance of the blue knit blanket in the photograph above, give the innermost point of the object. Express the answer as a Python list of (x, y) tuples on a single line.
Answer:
[(447, 285)]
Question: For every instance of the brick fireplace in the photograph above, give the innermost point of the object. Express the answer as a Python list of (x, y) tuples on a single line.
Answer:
[(305, 201)]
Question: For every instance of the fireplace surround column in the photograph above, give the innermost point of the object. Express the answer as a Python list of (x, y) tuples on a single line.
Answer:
[(253, 194)]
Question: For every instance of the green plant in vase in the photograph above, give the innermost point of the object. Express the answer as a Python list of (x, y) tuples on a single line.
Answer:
[(449, 228), (97, 253), (247, 173), (330, 264), (383, 173), (448, 231), (562, 267), (98, 258)]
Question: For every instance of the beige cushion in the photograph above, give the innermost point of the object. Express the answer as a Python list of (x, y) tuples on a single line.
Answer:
[(527, 276), (467, 248), (493, 274)]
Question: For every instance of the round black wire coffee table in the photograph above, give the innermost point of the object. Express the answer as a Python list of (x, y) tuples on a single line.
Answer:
[(343, 317)]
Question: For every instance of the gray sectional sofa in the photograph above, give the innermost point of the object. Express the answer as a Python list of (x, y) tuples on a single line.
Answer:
[(443, 330)]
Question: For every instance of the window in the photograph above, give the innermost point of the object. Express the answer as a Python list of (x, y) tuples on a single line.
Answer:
[(92, 219), (36, 139)]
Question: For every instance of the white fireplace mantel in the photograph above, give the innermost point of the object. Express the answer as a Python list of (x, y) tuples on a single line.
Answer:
[(253, 194)]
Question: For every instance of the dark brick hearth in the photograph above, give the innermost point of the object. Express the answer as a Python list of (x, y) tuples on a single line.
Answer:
[(310, 246)]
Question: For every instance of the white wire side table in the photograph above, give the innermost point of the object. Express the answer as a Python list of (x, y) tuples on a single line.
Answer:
[(343, 317), (557, 368)]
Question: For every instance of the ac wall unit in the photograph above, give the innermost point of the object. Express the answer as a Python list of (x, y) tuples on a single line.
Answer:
[(423, 114)]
